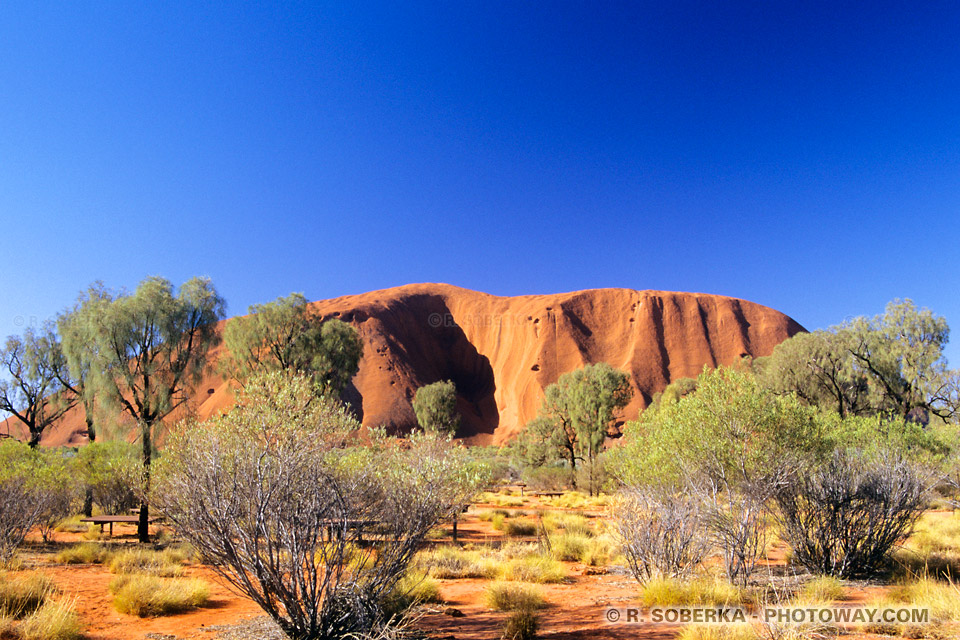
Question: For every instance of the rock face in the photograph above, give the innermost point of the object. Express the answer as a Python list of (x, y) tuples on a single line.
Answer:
[(502, 352)]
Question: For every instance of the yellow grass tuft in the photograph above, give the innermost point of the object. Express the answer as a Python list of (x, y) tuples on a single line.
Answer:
[(665, 592), (54, 620), (513, 596), (143, 595)]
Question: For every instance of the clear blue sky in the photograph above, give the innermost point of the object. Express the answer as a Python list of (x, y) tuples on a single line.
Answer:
[(805, 156)]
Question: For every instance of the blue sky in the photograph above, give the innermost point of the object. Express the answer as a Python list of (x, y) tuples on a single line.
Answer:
[(805, 156)]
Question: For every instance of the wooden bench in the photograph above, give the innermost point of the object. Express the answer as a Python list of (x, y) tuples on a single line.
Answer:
[(546, 494), (109, 520)]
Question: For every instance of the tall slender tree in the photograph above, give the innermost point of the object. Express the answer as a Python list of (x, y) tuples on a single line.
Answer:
[(144, 350)]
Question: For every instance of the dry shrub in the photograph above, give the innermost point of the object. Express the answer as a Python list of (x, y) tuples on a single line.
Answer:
[(24, 594), (845, 518), (143, 595), (661, 533), (84, 553), (665, 592), (534, 568), (275, 499)]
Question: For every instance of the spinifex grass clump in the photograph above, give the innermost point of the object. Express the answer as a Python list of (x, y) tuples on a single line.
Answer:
[(514, 596), (143, 595)]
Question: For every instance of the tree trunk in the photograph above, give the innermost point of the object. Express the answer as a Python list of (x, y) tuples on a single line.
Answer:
[(143, 525)]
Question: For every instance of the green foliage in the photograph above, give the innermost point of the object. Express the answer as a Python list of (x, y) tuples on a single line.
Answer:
[(577, 415), (29, 389), (145, 351), (435, 406), (287, 335), (112, 473), (730, 432), (891, 365), (22, 501)]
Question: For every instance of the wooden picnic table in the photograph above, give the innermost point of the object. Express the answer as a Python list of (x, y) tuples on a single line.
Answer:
[(109, 520), (546, 494)]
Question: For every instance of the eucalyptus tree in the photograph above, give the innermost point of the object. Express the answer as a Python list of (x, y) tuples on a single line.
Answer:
[(145, 350), (286, 335)]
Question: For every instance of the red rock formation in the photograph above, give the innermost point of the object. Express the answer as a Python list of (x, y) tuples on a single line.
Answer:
[(502, 352)]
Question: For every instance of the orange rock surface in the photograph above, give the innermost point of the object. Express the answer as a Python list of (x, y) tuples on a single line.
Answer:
[(502, 352)]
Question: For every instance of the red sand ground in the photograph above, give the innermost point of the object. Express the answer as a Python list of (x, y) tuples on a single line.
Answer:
[(576, 608)]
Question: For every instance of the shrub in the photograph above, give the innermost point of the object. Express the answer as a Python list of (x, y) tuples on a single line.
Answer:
[(661, 534), (113, 473), (143, 595), (512, 596), (54, 620), (24, 594), (57, 491), (570, 547), (84, 553), (258, 491), (534, 568), (147, 561), (737, 631), (21, 503), (844, 518), (522, 624)]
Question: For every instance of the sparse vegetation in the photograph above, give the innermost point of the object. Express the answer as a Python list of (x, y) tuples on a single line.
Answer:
[(521, 624), (514, 596), (84, 553), (143, 595), (164, 564), (822, 589), (661, 592)]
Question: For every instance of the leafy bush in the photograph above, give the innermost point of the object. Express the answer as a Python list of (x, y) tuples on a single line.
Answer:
[(21, 496), (512, 596), (844, 518), (112, 472), (143, 595)]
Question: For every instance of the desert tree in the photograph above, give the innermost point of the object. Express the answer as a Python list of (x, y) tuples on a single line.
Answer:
[(578, 413), (145, 350), (901, 351), (30, 389), (77, 354), (818, 367), (275, 497), (435, 406), (287, 335)]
